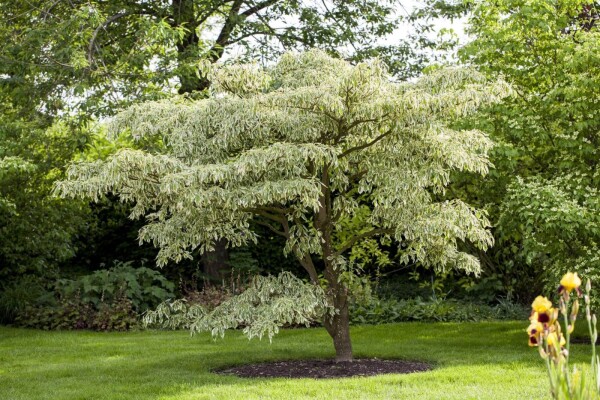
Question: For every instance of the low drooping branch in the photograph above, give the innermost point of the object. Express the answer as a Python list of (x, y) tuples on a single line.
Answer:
[(266, 305)]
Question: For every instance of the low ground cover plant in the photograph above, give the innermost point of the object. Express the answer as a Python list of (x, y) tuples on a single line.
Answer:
[(381, 311), (107, 299)]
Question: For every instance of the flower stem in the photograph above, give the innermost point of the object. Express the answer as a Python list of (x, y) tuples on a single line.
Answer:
[(565, 310)]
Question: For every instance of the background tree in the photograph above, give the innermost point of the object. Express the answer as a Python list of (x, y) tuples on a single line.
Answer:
[(37, 231), (100, 55), (293, 148), (543, 194)]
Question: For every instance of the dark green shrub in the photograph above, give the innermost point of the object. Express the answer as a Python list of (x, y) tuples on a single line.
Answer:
[(117, 316), (67, 314), (145, 288), (77, 314), (17, 295), (105, 300), (381, 311)]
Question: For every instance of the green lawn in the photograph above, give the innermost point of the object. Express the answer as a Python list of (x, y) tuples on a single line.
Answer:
[(472, 361)]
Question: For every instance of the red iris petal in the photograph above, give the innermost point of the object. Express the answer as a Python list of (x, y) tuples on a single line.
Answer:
[(543, 317), (533, 339)]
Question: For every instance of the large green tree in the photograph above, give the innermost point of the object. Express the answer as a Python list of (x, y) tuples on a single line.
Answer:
[(543, 194), (298, 148), (37, 231), (95, 56)]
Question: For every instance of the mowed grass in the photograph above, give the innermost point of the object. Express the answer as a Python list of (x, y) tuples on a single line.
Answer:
[(471, 360)]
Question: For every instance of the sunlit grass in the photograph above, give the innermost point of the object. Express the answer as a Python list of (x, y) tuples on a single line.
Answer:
[(472, 361)]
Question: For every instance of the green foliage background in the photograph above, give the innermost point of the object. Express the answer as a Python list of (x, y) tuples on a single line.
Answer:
[(543, 193), (541, 196)]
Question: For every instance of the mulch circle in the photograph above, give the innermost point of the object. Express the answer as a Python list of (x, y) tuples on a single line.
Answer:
[(323, 369)]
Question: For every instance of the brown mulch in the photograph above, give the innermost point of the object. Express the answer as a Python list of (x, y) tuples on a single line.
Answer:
[(322, 369)]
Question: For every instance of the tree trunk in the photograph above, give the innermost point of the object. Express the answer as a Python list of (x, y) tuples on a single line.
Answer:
[(187, 48), (185, 14), (338, 328), (216, 262)]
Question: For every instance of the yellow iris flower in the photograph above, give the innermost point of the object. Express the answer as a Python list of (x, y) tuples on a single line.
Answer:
[(535, 328), (543, 311), (570, 281), (534, 317), (534, 331), (541, 305)]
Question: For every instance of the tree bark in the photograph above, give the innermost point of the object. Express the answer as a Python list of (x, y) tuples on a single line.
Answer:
[(338, 328), (184, 15)]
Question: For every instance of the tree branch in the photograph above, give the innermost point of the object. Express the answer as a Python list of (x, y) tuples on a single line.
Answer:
[(305, 259), (364, 121), (208, 13), (309, 266), (230, 24), (313, 111), (368, 144), (270, 227), (260, 6), (352, 241), (265, 213), (109, 21)]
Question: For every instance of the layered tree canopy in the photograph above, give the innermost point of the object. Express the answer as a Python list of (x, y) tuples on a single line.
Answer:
[(37, 230), (301, 148)]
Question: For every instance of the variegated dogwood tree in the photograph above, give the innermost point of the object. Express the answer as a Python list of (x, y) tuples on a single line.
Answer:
[(300, 147)]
